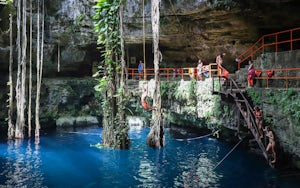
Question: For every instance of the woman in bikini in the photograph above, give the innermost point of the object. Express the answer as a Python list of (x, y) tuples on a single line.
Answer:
[(259, 120), (143, 100), (271, 144)]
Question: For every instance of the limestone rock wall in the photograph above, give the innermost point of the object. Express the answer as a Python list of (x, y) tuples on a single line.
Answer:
[(189, 29)]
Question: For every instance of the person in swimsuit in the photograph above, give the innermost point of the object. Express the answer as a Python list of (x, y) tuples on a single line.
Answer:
[(259, 120), (222, 71), (271, 144), (251, 74), (199, 69), (143, 100)]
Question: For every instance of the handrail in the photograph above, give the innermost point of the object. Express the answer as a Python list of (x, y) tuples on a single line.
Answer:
[(252, 124), (259, 46), (168, 73), (286, 74)]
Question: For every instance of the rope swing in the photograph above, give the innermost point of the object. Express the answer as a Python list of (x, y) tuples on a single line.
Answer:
[(228, 154), (199, 137)]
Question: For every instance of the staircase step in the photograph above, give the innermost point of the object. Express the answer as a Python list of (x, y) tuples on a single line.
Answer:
[(236, 90)]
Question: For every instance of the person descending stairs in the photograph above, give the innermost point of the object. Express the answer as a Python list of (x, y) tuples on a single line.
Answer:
[(253, 123)]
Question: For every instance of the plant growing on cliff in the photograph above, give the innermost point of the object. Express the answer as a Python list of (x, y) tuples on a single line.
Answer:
[(108, 25), (4, 2), (192, 92), (255, 96), (286, 102), (167, 91)]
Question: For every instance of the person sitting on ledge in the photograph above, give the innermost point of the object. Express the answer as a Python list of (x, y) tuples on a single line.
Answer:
[(143, 99)]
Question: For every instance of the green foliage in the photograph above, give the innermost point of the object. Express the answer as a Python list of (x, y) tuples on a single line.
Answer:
[(4, 2), (107, 26), (287, 102), (167, 90), (255, 96), (192, 92)]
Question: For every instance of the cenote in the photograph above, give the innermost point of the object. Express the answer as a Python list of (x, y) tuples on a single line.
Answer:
[(70, 159)]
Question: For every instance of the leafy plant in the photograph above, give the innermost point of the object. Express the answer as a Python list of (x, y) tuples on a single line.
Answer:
[(107, 26), (255, 96), (192, 92)]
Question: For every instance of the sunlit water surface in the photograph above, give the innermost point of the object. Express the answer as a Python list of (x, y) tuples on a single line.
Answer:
[(68, 159)]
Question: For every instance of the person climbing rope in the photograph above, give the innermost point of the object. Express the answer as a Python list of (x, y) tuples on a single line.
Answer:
[(143, 99), (259, 120), (271, 144)]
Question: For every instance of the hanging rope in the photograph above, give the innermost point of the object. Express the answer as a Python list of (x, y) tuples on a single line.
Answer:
[(228, 154), (97, 134), (196, 138), (144, 42)]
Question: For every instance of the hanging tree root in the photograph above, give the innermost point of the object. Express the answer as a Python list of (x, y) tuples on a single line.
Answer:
[(155, 138)]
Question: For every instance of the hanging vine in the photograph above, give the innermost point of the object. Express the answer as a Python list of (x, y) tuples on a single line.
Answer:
[(112, 73)]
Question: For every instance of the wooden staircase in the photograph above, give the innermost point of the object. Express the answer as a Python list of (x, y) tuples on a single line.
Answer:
[(231, 88)]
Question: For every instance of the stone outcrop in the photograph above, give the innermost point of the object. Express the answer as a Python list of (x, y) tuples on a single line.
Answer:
[(69, 102)]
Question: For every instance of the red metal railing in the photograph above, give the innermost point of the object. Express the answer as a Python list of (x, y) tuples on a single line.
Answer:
[(285, 74), (279, 41), (172, 73)]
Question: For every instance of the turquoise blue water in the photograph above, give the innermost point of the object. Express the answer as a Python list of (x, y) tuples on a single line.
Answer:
[(68, 159)]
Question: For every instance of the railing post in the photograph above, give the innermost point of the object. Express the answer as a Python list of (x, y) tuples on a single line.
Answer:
[(263, 45), (167, 74), (213, 84), (286, 79), (132, 73), (182, 72), (291, 40), (276, 43)]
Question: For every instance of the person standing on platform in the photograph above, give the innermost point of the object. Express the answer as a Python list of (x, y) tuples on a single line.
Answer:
[(141, 69), (222, 71), (199, 69), (251, 74)]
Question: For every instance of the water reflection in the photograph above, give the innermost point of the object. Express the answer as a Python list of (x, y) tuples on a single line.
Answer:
[(22, 164), (197, 171), (149, 172)]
